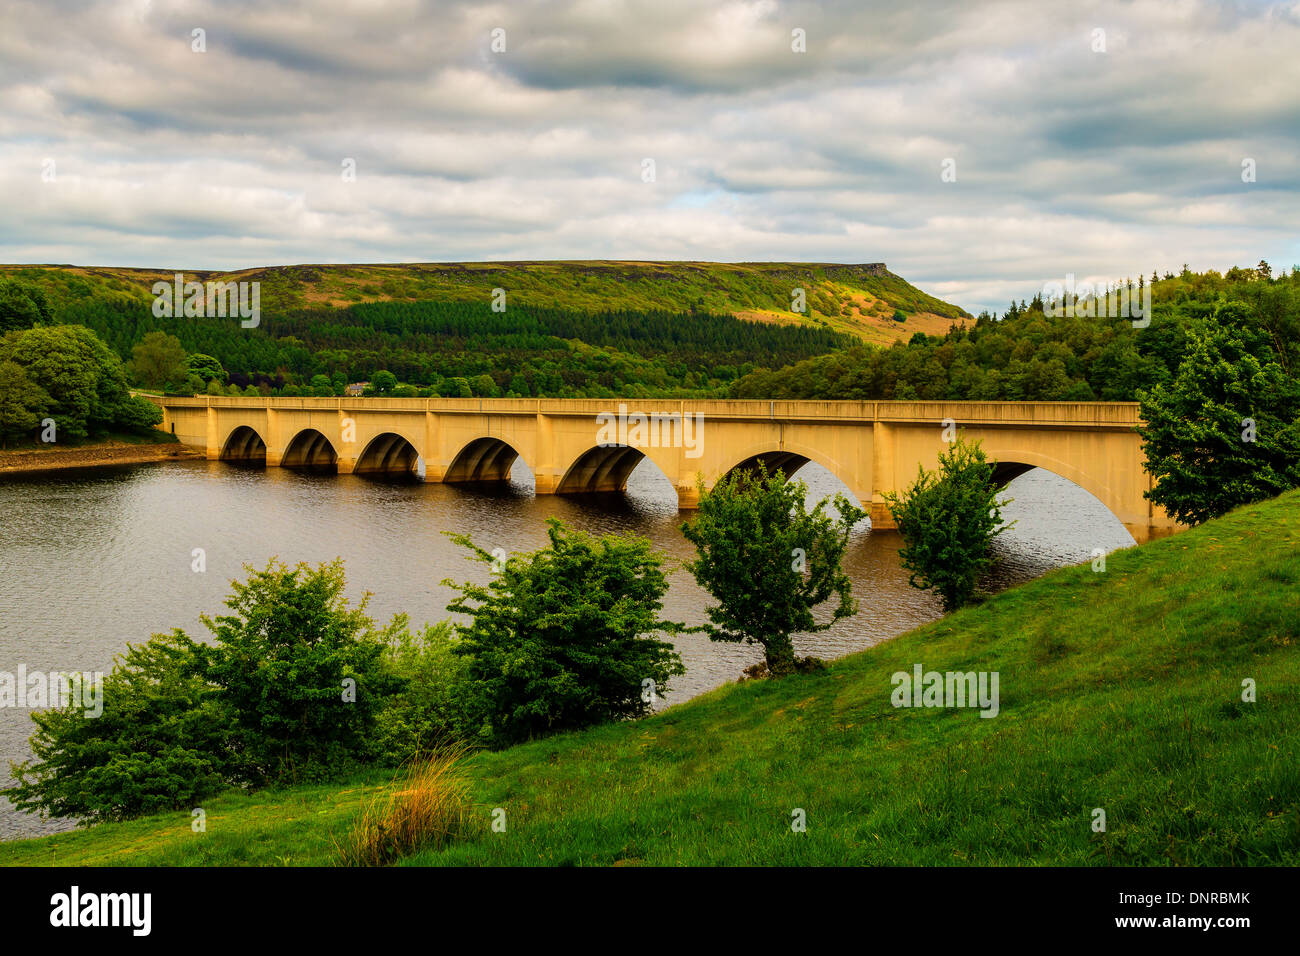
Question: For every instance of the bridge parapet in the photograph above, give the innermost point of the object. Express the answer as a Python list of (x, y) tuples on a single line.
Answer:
[(1089, 414)]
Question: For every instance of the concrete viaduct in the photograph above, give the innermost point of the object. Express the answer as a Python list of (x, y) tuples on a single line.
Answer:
[(592, 445)]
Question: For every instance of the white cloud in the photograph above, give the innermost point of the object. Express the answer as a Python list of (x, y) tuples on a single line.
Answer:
[(1068, 160)]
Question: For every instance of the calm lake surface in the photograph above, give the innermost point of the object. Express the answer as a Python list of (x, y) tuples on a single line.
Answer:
[(92, 559)]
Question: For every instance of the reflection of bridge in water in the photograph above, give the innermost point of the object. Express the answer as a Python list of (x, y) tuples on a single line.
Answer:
[(592, 445)]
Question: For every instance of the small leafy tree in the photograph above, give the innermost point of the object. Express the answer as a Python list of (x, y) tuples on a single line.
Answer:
[(948, 520), (300, 670), (769, 561), (456, 387), (1226, 431), (383, 382), (158, 361), (560, 638)]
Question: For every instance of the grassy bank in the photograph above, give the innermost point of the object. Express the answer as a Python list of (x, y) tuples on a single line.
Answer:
[(1119, 691)]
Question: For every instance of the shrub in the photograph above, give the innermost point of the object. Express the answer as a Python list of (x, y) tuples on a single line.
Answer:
[(292, 688), (158, 745), (301, 672), (432, 710), (560, 638)]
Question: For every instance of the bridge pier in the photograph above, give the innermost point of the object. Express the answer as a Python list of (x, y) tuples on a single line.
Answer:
[(878, 512)]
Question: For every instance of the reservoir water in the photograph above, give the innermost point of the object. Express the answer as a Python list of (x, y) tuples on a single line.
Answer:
[(94, 559)]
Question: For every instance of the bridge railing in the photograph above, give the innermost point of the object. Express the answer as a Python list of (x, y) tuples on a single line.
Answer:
[(1009, 414)]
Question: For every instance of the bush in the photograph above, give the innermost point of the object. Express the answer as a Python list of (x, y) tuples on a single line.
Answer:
[(301, 672), (947, 521), (432, 710), (158, 745), (559, 639), (292, 688)]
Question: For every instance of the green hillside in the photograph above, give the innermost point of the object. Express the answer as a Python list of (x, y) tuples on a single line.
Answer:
[(553, 329), (859, 300), (1120, 690)]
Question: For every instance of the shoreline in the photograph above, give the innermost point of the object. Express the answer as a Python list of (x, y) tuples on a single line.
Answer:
[(22, 461)]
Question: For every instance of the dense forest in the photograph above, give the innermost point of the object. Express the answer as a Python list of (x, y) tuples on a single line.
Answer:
[(525, 351), (1030, 354)]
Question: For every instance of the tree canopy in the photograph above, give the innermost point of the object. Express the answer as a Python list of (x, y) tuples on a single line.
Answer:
[(1226, 430), (769, 561)]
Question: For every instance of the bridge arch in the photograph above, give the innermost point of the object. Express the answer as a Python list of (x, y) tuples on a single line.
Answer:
[(244, 444), (388, 453), (483, 459), (310, 449), (1012, 463), (789, 458), (607, 467), (602, 468), (823, 485)]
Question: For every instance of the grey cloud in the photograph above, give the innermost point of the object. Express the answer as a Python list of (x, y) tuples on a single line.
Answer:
[(1068, 160)]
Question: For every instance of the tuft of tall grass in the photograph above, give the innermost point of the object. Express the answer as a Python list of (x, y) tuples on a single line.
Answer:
[(428, 807)]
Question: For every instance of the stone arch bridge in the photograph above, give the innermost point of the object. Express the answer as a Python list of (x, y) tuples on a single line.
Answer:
[(592, 445)]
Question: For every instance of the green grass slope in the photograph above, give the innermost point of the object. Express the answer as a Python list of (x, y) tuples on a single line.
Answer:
[(857, 299), (1119, 690)]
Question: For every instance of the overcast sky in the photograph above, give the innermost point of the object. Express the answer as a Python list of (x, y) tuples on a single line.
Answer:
[(1100, 139)]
